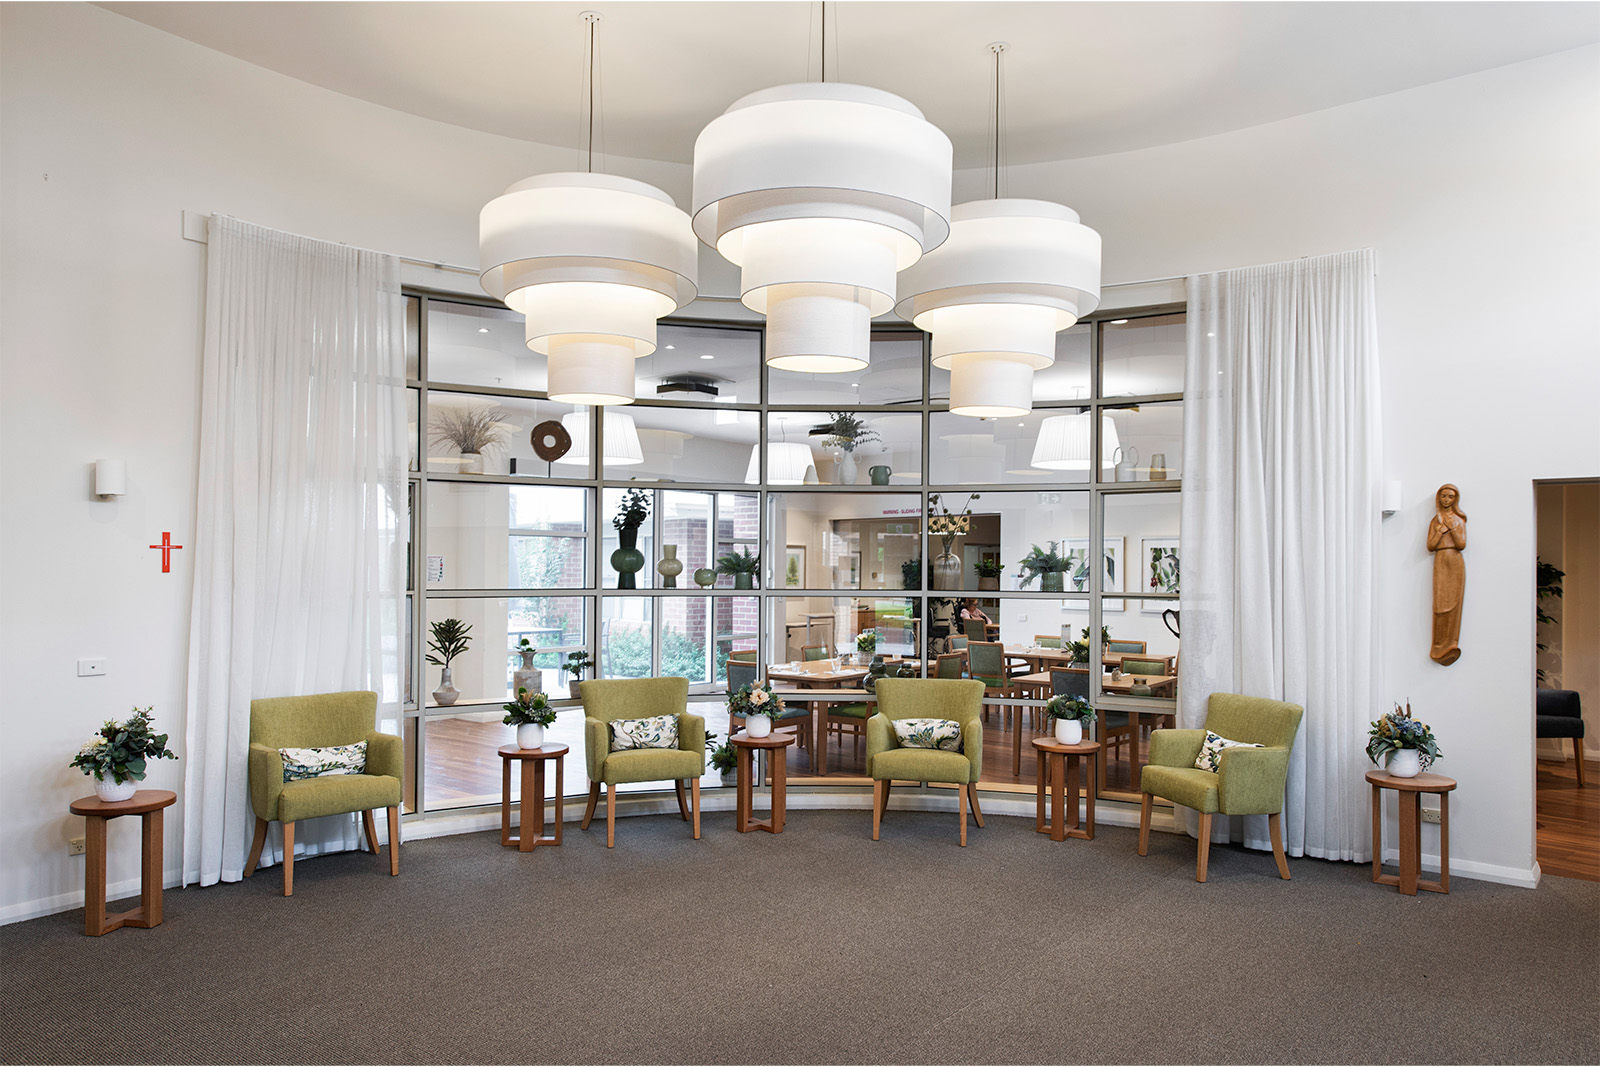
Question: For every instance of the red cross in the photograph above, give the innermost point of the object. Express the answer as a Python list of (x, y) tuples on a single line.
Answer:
[(166, 546)]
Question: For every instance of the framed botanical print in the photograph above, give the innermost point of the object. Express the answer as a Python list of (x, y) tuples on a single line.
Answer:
[(1159, 562)]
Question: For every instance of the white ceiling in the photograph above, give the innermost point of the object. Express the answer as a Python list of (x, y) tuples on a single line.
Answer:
[(1082, 79)]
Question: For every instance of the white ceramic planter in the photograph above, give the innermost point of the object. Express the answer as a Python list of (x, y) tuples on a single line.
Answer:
[(530, 735), (758, 725), (1405, 763), (110, 792), (1069, 731)]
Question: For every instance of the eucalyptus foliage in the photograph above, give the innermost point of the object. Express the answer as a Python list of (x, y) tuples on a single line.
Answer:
[(1065, 707), (120, 749)]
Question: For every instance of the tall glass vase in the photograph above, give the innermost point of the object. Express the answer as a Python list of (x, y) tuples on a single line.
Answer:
[(947, 571)]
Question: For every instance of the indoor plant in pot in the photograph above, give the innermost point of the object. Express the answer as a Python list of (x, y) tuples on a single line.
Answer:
[(526, 676), (449, 641), (722, 758), (1048, 565), (627, 559), (117, 753), (911, 574), (947, 526), (578, 663), (758, 706), (470, 431), (530, 713), (989, 573), (843, 434), (1406, 744), (1073, 716), (742, 565)]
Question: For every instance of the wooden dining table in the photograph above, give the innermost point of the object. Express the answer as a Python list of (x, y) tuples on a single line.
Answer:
[(819, 682), (816, 699), (1038, 687), (1042, 659)]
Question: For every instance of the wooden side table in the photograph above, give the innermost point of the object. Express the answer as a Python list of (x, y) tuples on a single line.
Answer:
[(531, 833), (1409, 793), (745, 747), (1057, 765), (146, 803)]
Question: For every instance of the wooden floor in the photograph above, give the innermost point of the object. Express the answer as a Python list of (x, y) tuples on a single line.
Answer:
[(1568, 819)]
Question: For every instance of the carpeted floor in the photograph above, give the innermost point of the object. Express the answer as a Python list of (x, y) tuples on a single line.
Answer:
[(817, 946)]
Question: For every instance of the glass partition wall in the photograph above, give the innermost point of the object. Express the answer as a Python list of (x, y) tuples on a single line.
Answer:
[(813, 521)]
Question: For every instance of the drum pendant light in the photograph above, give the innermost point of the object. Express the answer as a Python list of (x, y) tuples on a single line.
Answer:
[(592, 261), (1013, 274)]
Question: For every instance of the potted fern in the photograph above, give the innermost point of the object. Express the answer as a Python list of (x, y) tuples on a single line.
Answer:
[(1048, 565), (449, 641), (742, 565), (1073, 716), (530, 713)]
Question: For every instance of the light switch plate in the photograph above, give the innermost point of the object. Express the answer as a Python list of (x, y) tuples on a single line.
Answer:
[(91, 668)]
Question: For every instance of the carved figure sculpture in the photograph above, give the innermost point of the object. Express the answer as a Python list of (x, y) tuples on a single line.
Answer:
[(1447, 536)]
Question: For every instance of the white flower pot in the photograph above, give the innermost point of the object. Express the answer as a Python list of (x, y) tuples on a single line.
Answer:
[(530, 735), (111, 792), (758, 725), (1069, 731), (1405, 763)]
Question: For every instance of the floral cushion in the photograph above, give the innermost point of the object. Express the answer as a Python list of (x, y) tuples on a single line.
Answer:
[(1210, 757), (301, 763), (659, 731), (929, 733)]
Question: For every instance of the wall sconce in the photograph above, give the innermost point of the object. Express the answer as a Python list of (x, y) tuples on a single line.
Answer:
[(1391, 497), (110, 478)]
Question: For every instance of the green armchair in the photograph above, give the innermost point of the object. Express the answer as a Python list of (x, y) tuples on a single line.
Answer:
[(1248, 781), (926, 698), (640, 698), (321, 722)]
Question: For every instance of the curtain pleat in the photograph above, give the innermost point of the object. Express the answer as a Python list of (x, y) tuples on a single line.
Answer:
[(1280, 512)]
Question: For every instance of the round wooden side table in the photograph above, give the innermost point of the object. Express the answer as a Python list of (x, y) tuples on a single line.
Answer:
[(531, 832), (745, 748), (1409, 793), (146, 803), (1057, 766)]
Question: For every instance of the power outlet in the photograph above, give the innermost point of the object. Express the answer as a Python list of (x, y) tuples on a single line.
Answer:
[(76, 846), (1430, 815)]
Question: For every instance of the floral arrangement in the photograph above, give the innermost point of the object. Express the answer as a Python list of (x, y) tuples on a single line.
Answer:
[(468, 430), (741, 562), (754, 699), (946, 524), (1039, 561), (1395, 730), (119, 750), (634, 509), (1065, 707), (867, 642), (529, 709), (845, 431)]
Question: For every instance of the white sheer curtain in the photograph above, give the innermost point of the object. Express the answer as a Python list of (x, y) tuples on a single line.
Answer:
[(1280, 525), (299, 539)]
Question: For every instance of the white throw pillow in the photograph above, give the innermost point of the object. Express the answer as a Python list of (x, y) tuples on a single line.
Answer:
[(301, 763), (944, 734), (1210, 757)]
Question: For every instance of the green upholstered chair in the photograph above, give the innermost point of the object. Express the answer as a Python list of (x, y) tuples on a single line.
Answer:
[(1248, 781), (926, 698), (1136, 647), (811, 653), (1155, 665), (986, 661), (957, 643), (1046, 640), (975, 630), (747, 655), (640, 698), (321, 721), (950, 665)]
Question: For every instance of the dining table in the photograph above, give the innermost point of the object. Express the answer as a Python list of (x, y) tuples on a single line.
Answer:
[(1037, 686), (1036, 658), (819, 682)]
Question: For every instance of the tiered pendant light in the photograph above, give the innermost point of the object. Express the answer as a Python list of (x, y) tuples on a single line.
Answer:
[(592, 261), (1013, 274), (621, 446)]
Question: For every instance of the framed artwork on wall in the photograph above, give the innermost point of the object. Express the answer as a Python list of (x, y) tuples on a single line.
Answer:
[(794, 567), (1076, 550), (1159, 556)]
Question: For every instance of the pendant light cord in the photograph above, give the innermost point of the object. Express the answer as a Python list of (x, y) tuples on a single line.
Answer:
[(997, 48)]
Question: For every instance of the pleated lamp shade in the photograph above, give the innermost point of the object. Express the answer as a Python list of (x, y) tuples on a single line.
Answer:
[(786, 463), (621, 444), (1063, 443)]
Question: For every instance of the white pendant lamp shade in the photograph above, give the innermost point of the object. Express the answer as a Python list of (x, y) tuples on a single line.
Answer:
[(1063, 443), (592, 260), (786, 463), (621, 444), (1012, 275), (820, 193)]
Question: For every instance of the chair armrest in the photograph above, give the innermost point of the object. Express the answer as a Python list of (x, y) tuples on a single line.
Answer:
[(880, 737), (972, 745), (692, 736), (596, 746), (266, 780), (386, 754), (1175, 748), (1250, 780)]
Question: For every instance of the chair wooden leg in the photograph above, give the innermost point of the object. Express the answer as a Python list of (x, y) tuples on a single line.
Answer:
[(683, 805), (588, 813), (961, 808), (694, 793), (288, 859), (394, 839), (977, 812), (880, 796), (255, 847), (611, 814), (1205, 846), (1577, 754), (1144, 823), (1275, 828), (371, 830)]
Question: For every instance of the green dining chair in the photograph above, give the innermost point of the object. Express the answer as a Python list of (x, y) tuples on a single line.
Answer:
[(950, 665), (811, 653), (1046, 640), (640, 698), (986, 661), (1137, 647), (888, 761), (1144, 665)]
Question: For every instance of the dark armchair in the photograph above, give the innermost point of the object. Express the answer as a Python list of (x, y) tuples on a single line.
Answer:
[(1559, 713)]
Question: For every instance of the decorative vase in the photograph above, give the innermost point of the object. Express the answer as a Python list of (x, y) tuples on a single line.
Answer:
[(472, 463), (879, 474), (1051, 581), (670, 567), (111, 792), (987, 584), (907, 669), (530, 735), (744, 580), (947, 571), (1158, 467), (875, 670), (705, 577), (1405, 763), (758, 725), (526, 676), (1069, 731), (847, 468), (447, 692), (627, 559)]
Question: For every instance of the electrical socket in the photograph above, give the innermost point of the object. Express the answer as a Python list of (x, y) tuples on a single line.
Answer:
[(76, 846), (1430, 815)]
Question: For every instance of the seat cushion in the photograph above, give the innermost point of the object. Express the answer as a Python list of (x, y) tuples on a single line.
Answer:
[(1188, 786), (651, 765), (921, 765), (1557, 726), (311, 798), (850, 711)]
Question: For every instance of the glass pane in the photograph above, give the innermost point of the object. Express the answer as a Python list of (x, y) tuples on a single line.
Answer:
[(1143, 356), (1150, 437), (500, 429), (842, 447), (1148, 524), (1004, 528), (707, 443), (464, 767), (1046, 445), (850, 630), (893, 376), (413, 418), (483, 672), (848, 540), (637, 569), (686, 638), (702, 364), (627, 645), (483, 345), (506, 536), (1065, 379), (738, 530), (734, 622), (413, 338), (686, 528)]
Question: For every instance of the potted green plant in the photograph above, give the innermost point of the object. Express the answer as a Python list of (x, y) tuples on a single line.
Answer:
[(1048, 565), (1105, 639), (757, 705), (742, 565), (1073, 716), (530, 713), (842, 434), (1405, 744), (627, 559), (577, 665), (1079, 650), (1547, 578), (449, 641), (117, 754), (526, 676), (470, 431), (947, 526), (911, 574), (722, 758), (989, 573)]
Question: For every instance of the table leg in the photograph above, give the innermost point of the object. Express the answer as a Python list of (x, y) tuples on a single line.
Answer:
[(150, 873), (1410, 841), (561, 794), (532, 804), (1377, 833), (780, 776), (505, 802), (94, 879), (1070, 793), (1088, 803), (1058, 795), (1444, 842), (1041, 774)]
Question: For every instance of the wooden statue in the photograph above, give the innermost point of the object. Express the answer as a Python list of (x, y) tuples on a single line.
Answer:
[(1447, 536)]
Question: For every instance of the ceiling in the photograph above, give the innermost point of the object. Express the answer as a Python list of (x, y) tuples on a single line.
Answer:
[(1081, 79)]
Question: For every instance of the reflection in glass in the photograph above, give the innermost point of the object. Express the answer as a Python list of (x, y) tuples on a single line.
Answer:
[(850, 540), (463, 766), (554, 625), (499, 426), (1151, 437), (893, 376), (506, 536), (482, 345), (1141, 357)]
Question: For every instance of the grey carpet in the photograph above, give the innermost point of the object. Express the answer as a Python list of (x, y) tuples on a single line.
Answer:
[(817, 946)]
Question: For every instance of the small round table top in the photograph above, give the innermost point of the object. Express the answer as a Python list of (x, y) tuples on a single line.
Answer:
[(145, 800), (1420, 783), (776, 739), (549, 750), (1050, 744)]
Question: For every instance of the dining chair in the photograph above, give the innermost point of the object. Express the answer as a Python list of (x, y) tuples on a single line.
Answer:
[(950, 665), (1046, 640), (742, 673), (839, 718), (1127, 646), (1144, 665), (1115, 726), (975, 629), (986, 662), (808, 653), (747, 655)]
